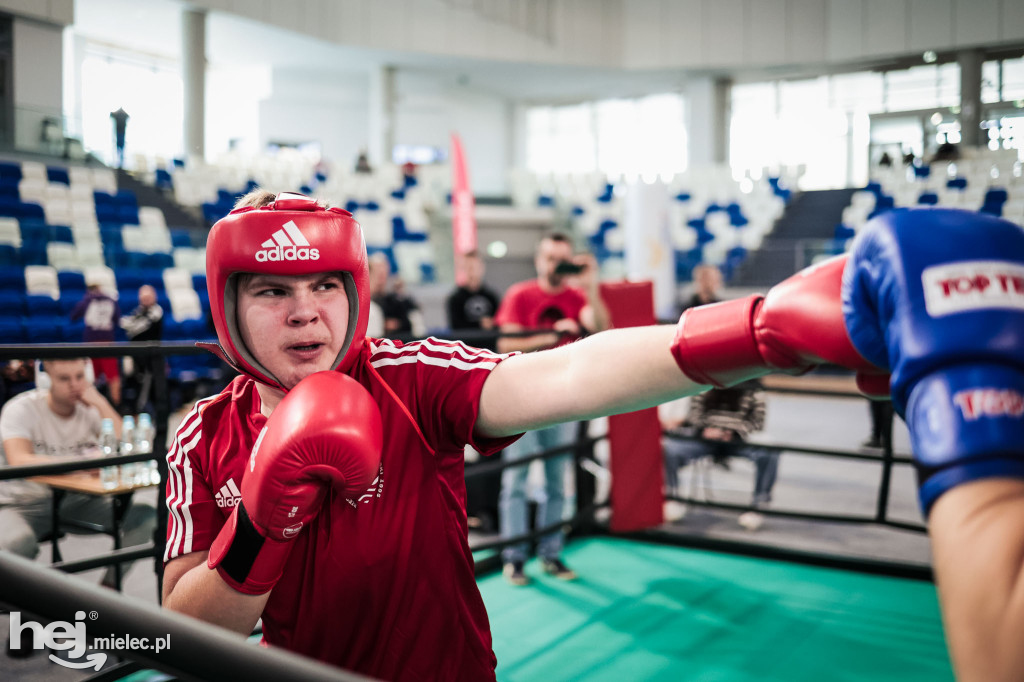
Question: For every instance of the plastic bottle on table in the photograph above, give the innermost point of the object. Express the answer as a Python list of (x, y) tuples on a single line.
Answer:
[(144, 435), (109, 476), (129, 472)]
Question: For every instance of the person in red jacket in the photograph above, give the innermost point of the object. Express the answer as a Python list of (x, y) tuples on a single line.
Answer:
[(323, 489)]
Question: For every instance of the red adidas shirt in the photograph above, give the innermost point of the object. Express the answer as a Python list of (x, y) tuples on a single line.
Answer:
[(382, 585), (529, 306)]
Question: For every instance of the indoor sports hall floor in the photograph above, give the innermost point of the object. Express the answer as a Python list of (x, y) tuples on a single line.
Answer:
[(643, 611)]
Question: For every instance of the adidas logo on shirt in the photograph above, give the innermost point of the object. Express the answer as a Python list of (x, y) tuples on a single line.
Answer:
[(229, 494), (287, 244)]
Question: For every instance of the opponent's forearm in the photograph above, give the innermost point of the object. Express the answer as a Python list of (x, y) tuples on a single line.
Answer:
[(203, 594), (977, 532)]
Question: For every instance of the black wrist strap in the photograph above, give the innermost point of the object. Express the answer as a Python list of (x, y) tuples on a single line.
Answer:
[(244, 549)]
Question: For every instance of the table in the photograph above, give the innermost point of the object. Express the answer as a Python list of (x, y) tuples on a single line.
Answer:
[(88, 483)]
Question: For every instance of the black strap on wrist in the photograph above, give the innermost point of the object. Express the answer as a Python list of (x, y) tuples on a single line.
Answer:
[(244, 549)]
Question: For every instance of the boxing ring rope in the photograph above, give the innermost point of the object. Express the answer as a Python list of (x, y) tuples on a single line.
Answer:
[(195, 650)]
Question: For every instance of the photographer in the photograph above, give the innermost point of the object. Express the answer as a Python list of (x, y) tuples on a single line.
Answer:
[(563, 298)]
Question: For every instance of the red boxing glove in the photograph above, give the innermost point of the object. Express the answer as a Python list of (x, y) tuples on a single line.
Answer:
[(796, 327), (326, 432)]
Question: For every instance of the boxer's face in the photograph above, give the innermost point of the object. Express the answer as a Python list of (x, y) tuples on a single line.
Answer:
[(294, 325)]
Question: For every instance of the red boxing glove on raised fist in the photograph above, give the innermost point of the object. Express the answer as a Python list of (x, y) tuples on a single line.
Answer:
[(325, 433), (796, 327)]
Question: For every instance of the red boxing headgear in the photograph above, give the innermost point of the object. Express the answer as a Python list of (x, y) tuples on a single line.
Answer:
[(293, 235)]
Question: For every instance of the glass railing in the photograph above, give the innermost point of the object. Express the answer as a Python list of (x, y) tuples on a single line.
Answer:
[(42, 130)]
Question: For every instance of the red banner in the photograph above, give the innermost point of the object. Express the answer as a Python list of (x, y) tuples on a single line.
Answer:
[(463, 218), (635, 437)]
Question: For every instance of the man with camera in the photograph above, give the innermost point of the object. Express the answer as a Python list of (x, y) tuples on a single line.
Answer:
[(563, 303)]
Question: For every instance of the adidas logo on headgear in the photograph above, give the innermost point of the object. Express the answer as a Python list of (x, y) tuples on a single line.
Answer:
[(287, 244)]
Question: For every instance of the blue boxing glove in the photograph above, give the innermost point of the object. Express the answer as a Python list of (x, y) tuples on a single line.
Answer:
[(937, 296)]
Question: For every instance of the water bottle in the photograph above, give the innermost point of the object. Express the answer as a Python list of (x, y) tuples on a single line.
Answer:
[(109, 476), (145, 432), (129, 472)]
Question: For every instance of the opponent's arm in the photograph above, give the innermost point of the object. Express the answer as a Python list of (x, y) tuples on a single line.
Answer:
[(936, 296), (977, 533)]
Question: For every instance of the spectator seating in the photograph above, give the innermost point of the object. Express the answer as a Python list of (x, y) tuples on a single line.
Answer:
[(984, 181), (391, 208)]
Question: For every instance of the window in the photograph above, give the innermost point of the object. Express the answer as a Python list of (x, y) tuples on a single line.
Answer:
[(617, 137), (151, 93)]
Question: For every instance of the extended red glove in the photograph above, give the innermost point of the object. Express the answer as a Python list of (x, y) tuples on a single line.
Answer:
[(325, 433), (796, 327)]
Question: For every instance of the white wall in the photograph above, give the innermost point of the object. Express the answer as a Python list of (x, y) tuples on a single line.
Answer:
[(329, 108), (429, 109), (38, 85)]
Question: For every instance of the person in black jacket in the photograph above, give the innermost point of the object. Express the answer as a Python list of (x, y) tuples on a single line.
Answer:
[(473, 304), (145, 323)]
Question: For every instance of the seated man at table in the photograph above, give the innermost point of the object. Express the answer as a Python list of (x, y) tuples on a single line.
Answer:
[(43, 424)]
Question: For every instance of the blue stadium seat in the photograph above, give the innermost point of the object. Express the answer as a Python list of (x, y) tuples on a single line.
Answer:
[(196, 329), (163, 179), (12, 330), (34, 253), (158, 261), (199, 282), (957, 183), (110, 234), (204, 299), (131, 259), (173, 330), (9, 190), (70, 281), (9, 255), (127, 298), (12, 303), (58, 174), (68, 301), (129, 215), (928, 199), (44, 329), (61, 233), (112, 255), (72, 332), (133, 278), (31, 210), (9, 170), (32, 229), (126, 197), (12, 278), (41, 304), (214, 211), (180, 237), (10, 207), (107, 213)]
